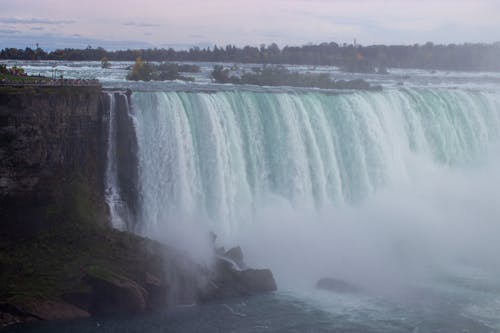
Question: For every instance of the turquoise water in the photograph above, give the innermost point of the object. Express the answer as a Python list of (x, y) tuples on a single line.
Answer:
[(222, 156)]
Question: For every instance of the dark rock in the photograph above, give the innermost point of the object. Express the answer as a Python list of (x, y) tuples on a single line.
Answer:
[(49, 135), (80, 299), (230, 282), (235, 254), (11, 314), (126, 157), (35, 310), (54, 309), (115, 294), (257, 280), (157, 291), (336, 285)]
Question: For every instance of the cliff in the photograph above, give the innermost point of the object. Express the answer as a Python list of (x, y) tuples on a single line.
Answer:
[(52, 156)]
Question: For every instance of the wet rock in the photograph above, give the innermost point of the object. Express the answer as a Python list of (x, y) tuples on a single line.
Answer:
[(229, 281), (157, 290), (54, 309), (35, 310), (115, 294), (235, 254), (126, 158)]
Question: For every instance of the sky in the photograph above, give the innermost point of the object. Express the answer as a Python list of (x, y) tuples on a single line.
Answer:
[(184, 23)]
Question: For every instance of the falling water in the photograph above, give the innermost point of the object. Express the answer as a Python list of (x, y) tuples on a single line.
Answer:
[(118, 208), (219, 158)]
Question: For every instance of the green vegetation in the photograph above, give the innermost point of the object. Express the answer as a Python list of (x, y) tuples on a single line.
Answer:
[(55, 261), (75, 242), (105, 63), (165, 71), (16, 71), (21, 79), (17, 75), (280, 76)]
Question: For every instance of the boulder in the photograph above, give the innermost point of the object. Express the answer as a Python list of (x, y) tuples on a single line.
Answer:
[(114, 294), (338, 286), (54, 309), (235, 254), (230, 282), (35, 310), (257, 280)]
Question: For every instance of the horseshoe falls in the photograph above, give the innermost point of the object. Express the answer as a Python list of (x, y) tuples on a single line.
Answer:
[(223, 157), (395, 192)]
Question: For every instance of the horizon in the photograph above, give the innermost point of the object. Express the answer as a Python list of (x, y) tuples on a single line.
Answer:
[(211, 47), (53, 24)]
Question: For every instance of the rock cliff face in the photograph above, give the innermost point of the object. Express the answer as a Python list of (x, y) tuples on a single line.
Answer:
[(59, 258), (52, 138), (123, 151)]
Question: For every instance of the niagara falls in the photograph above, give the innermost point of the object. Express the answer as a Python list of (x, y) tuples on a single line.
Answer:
[(334, 167)]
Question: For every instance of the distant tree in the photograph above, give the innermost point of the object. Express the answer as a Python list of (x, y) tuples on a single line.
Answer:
[(105, 63), (161, 72), (352, 59), (280, 76), (140, 71)]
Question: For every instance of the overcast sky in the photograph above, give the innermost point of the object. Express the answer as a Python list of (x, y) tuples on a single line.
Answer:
[(182, 23)]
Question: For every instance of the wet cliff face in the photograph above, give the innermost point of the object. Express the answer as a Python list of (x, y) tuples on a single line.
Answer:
[(52, 156), (125, 157)]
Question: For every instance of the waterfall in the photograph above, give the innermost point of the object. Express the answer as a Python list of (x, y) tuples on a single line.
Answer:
[(121, 163), (218, 158)]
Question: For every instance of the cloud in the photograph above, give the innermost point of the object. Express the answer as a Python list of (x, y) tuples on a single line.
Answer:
[(286, 22), (50, 41), (9, 31), (140, 24), (34, 21)]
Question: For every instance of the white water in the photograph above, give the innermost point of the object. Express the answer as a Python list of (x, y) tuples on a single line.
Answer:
[(223, 157), (393, 191), (118, 209)]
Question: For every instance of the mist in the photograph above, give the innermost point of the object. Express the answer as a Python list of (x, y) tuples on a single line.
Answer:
[(438, 222), (396, 198)]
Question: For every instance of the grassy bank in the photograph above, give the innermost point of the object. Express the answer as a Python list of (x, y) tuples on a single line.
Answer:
[(53, 261)]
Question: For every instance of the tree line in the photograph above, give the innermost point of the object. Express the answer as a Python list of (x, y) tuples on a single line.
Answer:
[(349, 57), (277, 75)]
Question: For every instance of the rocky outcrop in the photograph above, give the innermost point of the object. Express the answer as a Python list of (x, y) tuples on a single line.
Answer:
[(35, 310), (236, 255), (114, 294), (82, 270), (230, 279)]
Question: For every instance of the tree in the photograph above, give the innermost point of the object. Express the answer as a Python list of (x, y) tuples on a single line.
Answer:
[(140, 71), (105, 63)]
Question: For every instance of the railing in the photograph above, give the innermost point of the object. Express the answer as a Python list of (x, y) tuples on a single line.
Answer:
[(53, 83)]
